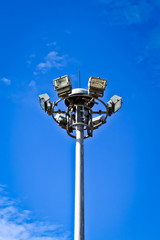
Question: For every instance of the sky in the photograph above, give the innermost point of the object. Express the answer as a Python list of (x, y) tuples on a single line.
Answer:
[(116, 40)]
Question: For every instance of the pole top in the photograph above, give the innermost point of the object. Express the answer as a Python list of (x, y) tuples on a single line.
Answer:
[(78, 96), (79, 91)]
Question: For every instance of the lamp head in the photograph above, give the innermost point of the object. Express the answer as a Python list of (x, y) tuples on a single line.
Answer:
[(45, 103), (97, 86), (62, 85), (114, 104), (61, 119), (97, 120)]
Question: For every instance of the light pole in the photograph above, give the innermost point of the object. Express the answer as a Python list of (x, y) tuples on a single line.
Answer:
[(79, 123)]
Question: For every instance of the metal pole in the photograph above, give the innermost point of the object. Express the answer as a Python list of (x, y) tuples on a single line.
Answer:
[(79, 185), (79, 80)]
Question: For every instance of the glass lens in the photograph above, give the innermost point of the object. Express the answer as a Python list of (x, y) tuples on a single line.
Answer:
[(98, 83), (62, 82), (42, 104), (117, 106)]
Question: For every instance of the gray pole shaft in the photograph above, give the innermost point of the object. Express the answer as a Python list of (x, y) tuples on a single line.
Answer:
[(79, 185)]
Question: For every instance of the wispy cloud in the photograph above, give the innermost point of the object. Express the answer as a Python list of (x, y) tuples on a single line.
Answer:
[(151, 49), (150, 56), (32, 84), (51, 44), (52, 60), (16, 224), (127, 11), (31, 57), (6, 81), (153, 46)]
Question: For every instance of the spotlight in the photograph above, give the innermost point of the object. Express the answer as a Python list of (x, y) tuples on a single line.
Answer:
[(61, 119), (45, 103), (97, 120), (63, 85), (114, 104), (97, 86)]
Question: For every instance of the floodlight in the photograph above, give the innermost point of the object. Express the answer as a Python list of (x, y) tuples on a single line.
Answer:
[(114, 104), (97, 120), (63, 85), (45, 103), (97, 86), (61, 119)]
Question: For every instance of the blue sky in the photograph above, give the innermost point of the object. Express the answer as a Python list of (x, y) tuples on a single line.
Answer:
[(116, 40)]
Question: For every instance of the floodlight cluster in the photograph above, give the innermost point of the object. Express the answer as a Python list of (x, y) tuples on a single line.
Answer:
[(82, 98)]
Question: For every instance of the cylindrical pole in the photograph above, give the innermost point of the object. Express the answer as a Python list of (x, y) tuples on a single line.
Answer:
[(79, 185)]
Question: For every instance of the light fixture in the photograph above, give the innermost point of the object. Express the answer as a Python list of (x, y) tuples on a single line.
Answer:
[(97, 120), (61, 119), (63, 85), (114, 104), (97, 86), (45, 103)]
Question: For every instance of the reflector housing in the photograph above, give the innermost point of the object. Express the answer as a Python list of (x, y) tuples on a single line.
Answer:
[(63, 85), (97, 120), (97, 86), (61, 119), (45, 103), (117, 103), (114, 104)]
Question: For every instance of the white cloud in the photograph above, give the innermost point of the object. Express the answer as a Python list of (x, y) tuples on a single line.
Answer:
[(51, 44), (153, 46), (127, 11), (6, 80), (151, 49), (150, 56), (32, 84), (32, 56), (16, 224), (52, 60), (35, 73)]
